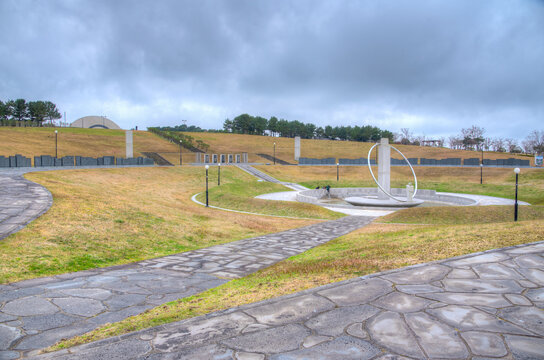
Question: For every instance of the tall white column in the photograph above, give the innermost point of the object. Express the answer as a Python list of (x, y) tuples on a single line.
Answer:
[(384, 167), (297, 147), (129, 148)]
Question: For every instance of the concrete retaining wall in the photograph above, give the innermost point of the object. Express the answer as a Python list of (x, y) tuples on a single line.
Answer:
[(48, 161)]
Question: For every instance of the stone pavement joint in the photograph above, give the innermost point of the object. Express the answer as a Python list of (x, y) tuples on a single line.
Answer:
[(22, 202), (478, 306), (37, 313)]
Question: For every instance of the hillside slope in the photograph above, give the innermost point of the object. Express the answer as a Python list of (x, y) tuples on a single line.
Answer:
[(255, 144), (75, 141)]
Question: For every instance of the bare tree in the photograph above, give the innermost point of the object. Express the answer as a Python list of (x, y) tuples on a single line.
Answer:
[(455, 142), (473, 137), (534, 142), (498, 145), (511, 145), (487, 144), (406, 136)]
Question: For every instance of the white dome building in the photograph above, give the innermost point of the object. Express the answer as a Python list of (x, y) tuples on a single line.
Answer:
[(95, 122)]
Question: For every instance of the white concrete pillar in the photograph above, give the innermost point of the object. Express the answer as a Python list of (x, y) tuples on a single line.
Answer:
[(129, 144), (297, 147), (384, 167)]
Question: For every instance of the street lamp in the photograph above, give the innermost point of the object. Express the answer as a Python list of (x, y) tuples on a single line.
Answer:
[(481, 173), (274, 153), (516, 170), (56, 143), (207, 167), (218, 174), (180, 158), (337, 171)]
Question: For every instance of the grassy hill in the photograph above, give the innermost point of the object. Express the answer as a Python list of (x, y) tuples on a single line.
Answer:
[(100, 142), (74, 141), (253, 144)]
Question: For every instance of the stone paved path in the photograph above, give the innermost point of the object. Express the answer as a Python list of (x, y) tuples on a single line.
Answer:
[(21, 202), (481, 306), (37, 313)]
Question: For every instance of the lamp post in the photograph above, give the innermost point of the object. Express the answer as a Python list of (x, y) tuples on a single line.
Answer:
[(516, 170), (180, 158), (481, 173), (274, 153), (207, 167), (337, 172), (218, 174), (56, 143)]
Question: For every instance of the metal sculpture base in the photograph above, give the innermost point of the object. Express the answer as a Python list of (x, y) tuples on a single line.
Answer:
[(375, 202)]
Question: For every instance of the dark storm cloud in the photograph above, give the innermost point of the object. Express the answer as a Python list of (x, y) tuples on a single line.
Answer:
[(433, 66)]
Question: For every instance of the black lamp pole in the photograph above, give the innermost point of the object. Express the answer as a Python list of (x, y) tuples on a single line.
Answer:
[(274, 153), (56, 144), (180, 158), (337, 172), (218, 174), (516, 170), (481, 174), (207, 185)]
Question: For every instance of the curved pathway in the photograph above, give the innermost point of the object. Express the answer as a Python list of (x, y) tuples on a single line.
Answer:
[(37, 313), (479, 306), (21, 201)]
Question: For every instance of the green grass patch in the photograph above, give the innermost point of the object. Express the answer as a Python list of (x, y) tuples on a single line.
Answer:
[(239, 195)]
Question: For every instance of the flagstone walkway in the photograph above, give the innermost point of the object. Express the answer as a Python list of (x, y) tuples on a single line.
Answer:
[(481, 306), (21, 202), (37, 313)]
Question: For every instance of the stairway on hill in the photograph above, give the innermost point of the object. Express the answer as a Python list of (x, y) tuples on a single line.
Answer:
[(159, 160), (271, 158)]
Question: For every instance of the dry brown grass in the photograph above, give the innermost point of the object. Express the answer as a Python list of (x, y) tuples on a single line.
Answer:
[(398, 173), (106, 217), (73, 141), (375, 248), (253, 144)]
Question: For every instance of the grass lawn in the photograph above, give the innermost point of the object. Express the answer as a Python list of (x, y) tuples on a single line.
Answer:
[(106, 217), (375, 248), (222, 143), (497, 181), (241, 196), (75, 141)]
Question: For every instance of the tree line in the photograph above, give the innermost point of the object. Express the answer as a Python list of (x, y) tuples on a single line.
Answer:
[(257, 125), (22, 110), (473, 138)]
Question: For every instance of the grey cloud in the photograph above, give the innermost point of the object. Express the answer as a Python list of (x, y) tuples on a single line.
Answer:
[(444, 64)]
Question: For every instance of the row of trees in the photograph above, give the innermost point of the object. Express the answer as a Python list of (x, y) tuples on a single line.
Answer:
[(21, 110), (257, 125), (473, 138)]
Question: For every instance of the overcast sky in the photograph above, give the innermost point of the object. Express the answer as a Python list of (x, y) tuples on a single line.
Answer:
[(431, 66)]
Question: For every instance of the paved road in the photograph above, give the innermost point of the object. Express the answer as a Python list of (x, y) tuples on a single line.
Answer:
[(37, 313), (480, 306)]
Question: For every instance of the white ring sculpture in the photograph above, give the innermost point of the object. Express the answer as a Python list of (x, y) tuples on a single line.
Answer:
[(376, 181)]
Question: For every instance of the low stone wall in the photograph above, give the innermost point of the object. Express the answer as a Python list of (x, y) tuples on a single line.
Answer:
[(313, 196), (49, 161), (14, 161)]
